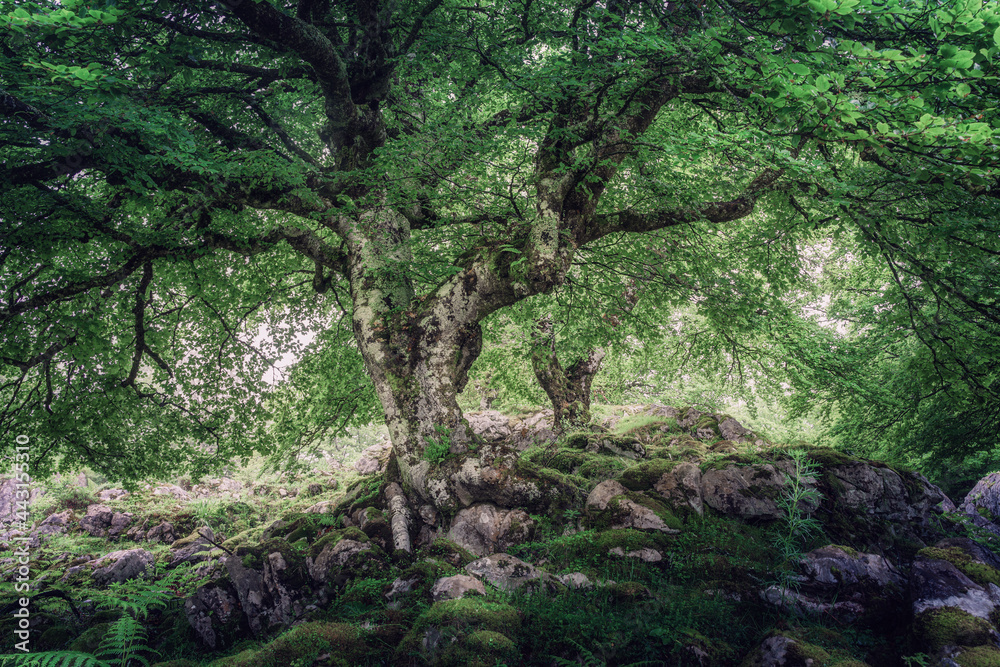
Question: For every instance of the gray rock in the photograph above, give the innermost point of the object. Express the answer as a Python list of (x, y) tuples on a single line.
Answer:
[(750, 492), (646, 555), (120, 521), (373, 459), (332, 558), (509, 573), (457, 586), (401, 587), (322, 507), (983, 501), (681, 487), (610, 496), (834, 569), (625, 447), (250, 592), (210, 609), (484, 529), (121, 566), (575, 580), (171, 490), (937, 583), (193, 548), (9, 500), (799, 603), (112, 494), (732, 430), (97, 520), (489, 424), (54, 524), (162, 532), (536, 429)]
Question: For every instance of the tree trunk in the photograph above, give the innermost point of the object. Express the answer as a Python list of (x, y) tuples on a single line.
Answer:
[(418, 353), (568, 389)]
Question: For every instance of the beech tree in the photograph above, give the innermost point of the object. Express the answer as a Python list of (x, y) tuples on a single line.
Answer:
[(180, 177)]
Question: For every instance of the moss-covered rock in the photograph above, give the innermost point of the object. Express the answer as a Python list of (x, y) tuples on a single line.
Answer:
[(90, 640), (343, 644), (55, 638), (643, 476), (443, 634), (950, 626), (979, 656), (980, 573)]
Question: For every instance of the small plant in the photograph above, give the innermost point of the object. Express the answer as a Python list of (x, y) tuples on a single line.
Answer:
[(797, 525), (438, 448), (124, 644)]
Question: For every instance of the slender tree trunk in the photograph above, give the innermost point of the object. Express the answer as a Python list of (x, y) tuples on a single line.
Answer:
[(568, 389)]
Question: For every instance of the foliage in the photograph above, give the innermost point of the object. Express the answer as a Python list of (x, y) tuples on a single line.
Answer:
[(438, 448), (198, 191)]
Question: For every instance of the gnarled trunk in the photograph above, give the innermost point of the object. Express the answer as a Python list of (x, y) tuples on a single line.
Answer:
[(418, 352), (568, 389)]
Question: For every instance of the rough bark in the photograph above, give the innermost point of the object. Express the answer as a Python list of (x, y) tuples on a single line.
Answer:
[(568, 389)]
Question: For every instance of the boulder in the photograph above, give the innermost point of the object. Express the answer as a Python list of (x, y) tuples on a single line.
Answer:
[(210, 610), (120, 521), (54, 524), (681, 487), (193, 548), (331, 559), (322, 507), (612, 499), (751, 492), (489, 425), (97, 520), (936, 583), (484, 529), (171, 490), (509, 573), (119, 566), (575, 580), (982, 503), (112, 494), (162, 532), (536, 429), (454, 587), (9, 499), (374, 459)]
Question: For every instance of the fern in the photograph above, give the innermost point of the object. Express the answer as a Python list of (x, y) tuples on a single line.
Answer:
[(52, 659), (124, 642)]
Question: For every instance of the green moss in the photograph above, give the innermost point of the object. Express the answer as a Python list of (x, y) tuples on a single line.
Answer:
[(643, 476), (980, 573), (344, 643), (175, 663), (466, 616), (979, 656), (55, 638), (949, 626), (827, 457), (331, 538), (450, 552), (90, 640)]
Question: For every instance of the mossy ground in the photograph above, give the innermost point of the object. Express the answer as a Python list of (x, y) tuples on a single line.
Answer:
[(699, 599)]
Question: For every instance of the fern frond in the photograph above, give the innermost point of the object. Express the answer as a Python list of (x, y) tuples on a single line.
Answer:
[(52, 659), (124, 642)]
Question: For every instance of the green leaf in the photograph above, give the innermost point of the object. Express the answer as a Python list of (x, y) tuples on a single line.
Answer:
[(996, 37), (798, 68), (822, 83)]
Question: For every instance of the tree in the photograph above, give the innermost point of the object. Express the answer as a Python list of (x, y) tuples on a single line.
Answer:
[(181, 174)]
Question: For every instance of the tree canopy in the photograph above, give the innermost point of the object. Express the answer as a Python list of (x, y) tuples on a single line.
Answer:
[(183, 180)]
